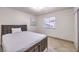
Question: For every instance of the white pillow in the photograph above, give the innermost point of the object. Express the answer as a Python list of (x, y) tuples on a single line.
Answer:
[(15, 30)]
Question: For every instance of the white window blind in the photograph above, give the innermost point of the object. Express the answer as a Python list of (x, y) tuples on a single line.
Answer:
[(50, 22)]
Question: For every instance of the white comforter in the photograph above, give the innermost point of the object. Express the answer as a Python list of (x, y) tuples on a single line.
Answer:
[(20, 41)]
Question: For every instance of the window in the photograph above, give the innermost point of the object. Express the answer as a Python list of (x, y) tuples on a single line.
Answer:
[(32, 21), (50, 22)]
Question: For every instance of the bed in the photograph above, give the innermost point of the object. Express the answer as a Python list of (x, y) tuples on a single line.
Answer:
[(24, 41)]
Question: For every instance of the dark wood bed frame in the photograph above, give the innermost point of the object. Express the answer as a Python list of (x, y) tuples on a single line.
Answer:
[(38, 47)]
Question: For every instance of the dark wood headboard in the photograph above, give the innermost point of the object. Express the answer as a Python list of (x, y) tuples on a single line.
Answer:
[(5, 29)]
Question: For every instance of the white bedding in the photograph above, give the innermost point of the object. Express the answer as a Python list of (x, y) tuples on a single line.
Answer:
[(20, 41)]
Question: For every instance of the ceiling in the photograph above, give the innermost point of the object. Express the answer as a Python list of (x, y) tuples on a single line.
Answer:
[(42, 11)]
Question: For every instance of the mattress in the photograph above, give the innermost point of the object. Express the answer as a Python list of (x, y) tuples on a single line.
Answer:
[(19, 42)]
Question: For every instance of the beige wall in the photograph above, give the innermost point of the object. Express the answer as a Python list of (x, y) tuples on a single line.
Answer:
[(11, 16), (64, 24)]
